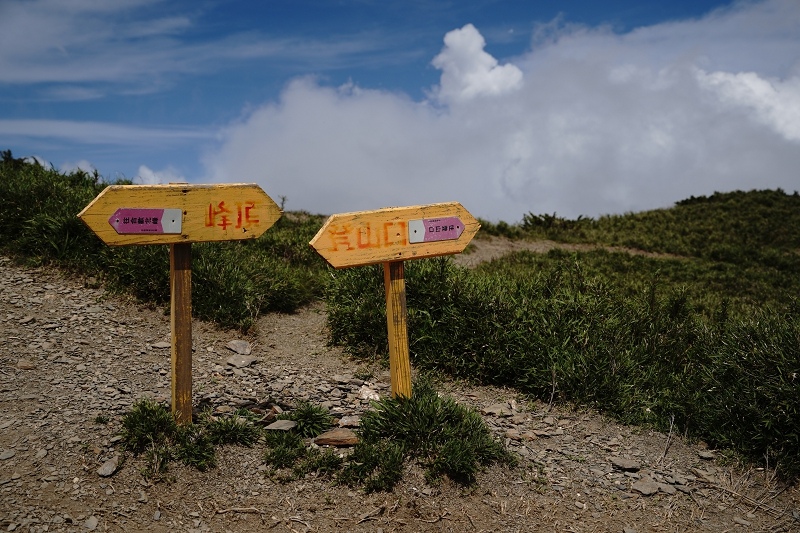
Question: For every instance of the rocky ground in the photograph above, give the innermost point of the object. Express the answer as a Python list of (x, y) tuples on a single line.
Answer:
[(73, 359)]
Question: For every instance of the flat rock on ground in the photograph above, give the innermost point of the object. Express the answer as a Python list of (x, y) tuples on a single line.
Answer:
[(88, 356)]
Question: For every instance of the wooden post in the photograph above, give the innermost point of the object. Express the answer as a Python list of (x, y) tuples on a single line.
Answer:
[(180, 269), (396, 321)]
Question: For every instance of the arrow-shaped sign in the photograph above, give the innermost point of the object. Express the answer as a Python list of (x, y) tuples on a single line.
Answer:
[(395, 234), (434, 229), (391, 236), (158, 221), (180, 213)]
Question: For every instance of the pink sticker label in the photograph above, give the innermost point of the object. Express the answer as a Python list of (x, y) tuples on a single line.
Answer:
[(434, 229), (146, 220)]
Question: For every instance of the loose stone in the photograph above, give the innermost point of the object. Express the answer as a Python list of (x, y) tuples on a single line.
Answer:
[(7, 454), (109, 467), (91, 523), (645, 487), (240, 347), (282, 425), (498, 409), (627, 465), (337, 437), (240, 361)]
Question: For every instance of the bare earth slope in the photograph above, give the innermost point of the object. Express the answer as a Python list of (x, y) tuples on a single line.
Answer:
[(70, 353)]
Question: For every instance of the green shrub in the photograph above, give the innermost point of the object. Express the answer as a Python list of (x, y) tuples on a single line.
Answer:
[(376, 466), (312, 420), (285, 449), (569, 330), (233, 283), (443, 436), (150, 428), (195, 447), (145, 424), (235, 429)]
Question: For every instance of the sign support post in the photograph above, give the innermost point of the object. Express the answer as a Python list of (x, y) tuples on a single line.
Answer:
[(391, 236), (396, 322), (179, 214), (180, 270)]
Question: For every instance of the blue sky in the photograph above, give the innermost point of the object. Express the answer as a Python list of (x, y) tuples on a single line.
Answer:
[(574, 107)]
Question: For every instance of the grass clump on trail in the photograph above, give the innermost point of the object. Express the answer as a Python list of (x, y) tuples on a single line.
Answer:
[(150, 429), (311, 419), (443, 437), (290, 458)]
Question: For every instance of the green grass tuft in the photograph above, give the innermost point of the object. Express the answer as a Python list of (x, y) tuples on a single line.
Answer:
[(151, 429), (312, 420), (194, 446), (377, 466), (445, 437), (285, 448), (148, 423), (235, 429)]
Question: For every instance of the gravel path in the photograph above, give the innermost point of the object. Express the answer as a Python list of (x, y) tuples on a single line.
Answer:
[(73, 359)]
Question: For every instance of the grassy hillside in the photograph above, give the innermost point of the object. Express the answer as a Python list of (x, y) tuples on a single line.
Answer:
[(705, 339), (232, 283), (736, 227)]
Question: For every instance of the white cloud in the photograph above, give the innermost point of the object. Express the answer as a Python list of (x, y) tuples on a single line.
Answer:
[(468, 71), (139, 46), (775, 103), (98, 132), (148, 176), (83, 165), (602, 123)]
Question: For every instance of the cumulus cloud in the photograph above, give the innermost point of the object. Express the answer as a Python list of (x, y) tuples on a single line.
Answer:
[(587, 122), (468, 71), (147, 176), (83, 165), (774, 103)]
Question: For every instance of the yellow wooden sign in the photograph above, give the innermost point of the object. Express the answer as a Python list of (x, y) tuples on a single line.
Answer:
[(180, 213), (391, 236), (395, 234)]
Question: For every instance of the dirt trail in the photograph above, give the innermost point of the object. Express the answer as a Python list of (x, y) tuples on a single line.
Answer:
[(489, 248), (74, 358)]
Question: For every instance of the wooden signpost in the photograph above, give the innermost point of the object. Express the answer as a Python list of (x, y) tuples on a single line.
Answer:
[(180, 214), (392, 236)]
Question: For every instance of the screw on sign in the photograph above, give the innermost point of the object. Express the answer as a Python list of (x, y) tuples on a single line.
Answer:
[(178, 215), (391, 236)]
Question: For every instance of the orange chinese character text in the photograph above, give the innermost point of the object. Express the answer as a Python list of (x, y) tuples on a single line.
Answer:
[(248, 217), (395, 234), (367, 238), (221, 211), (340, 235)]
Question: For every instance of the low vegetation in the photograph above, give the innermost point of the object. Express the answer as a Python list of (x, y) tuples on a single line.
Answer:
[(700, 335), (150, 429), (443, 437), (394, 434), (232, 283)]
